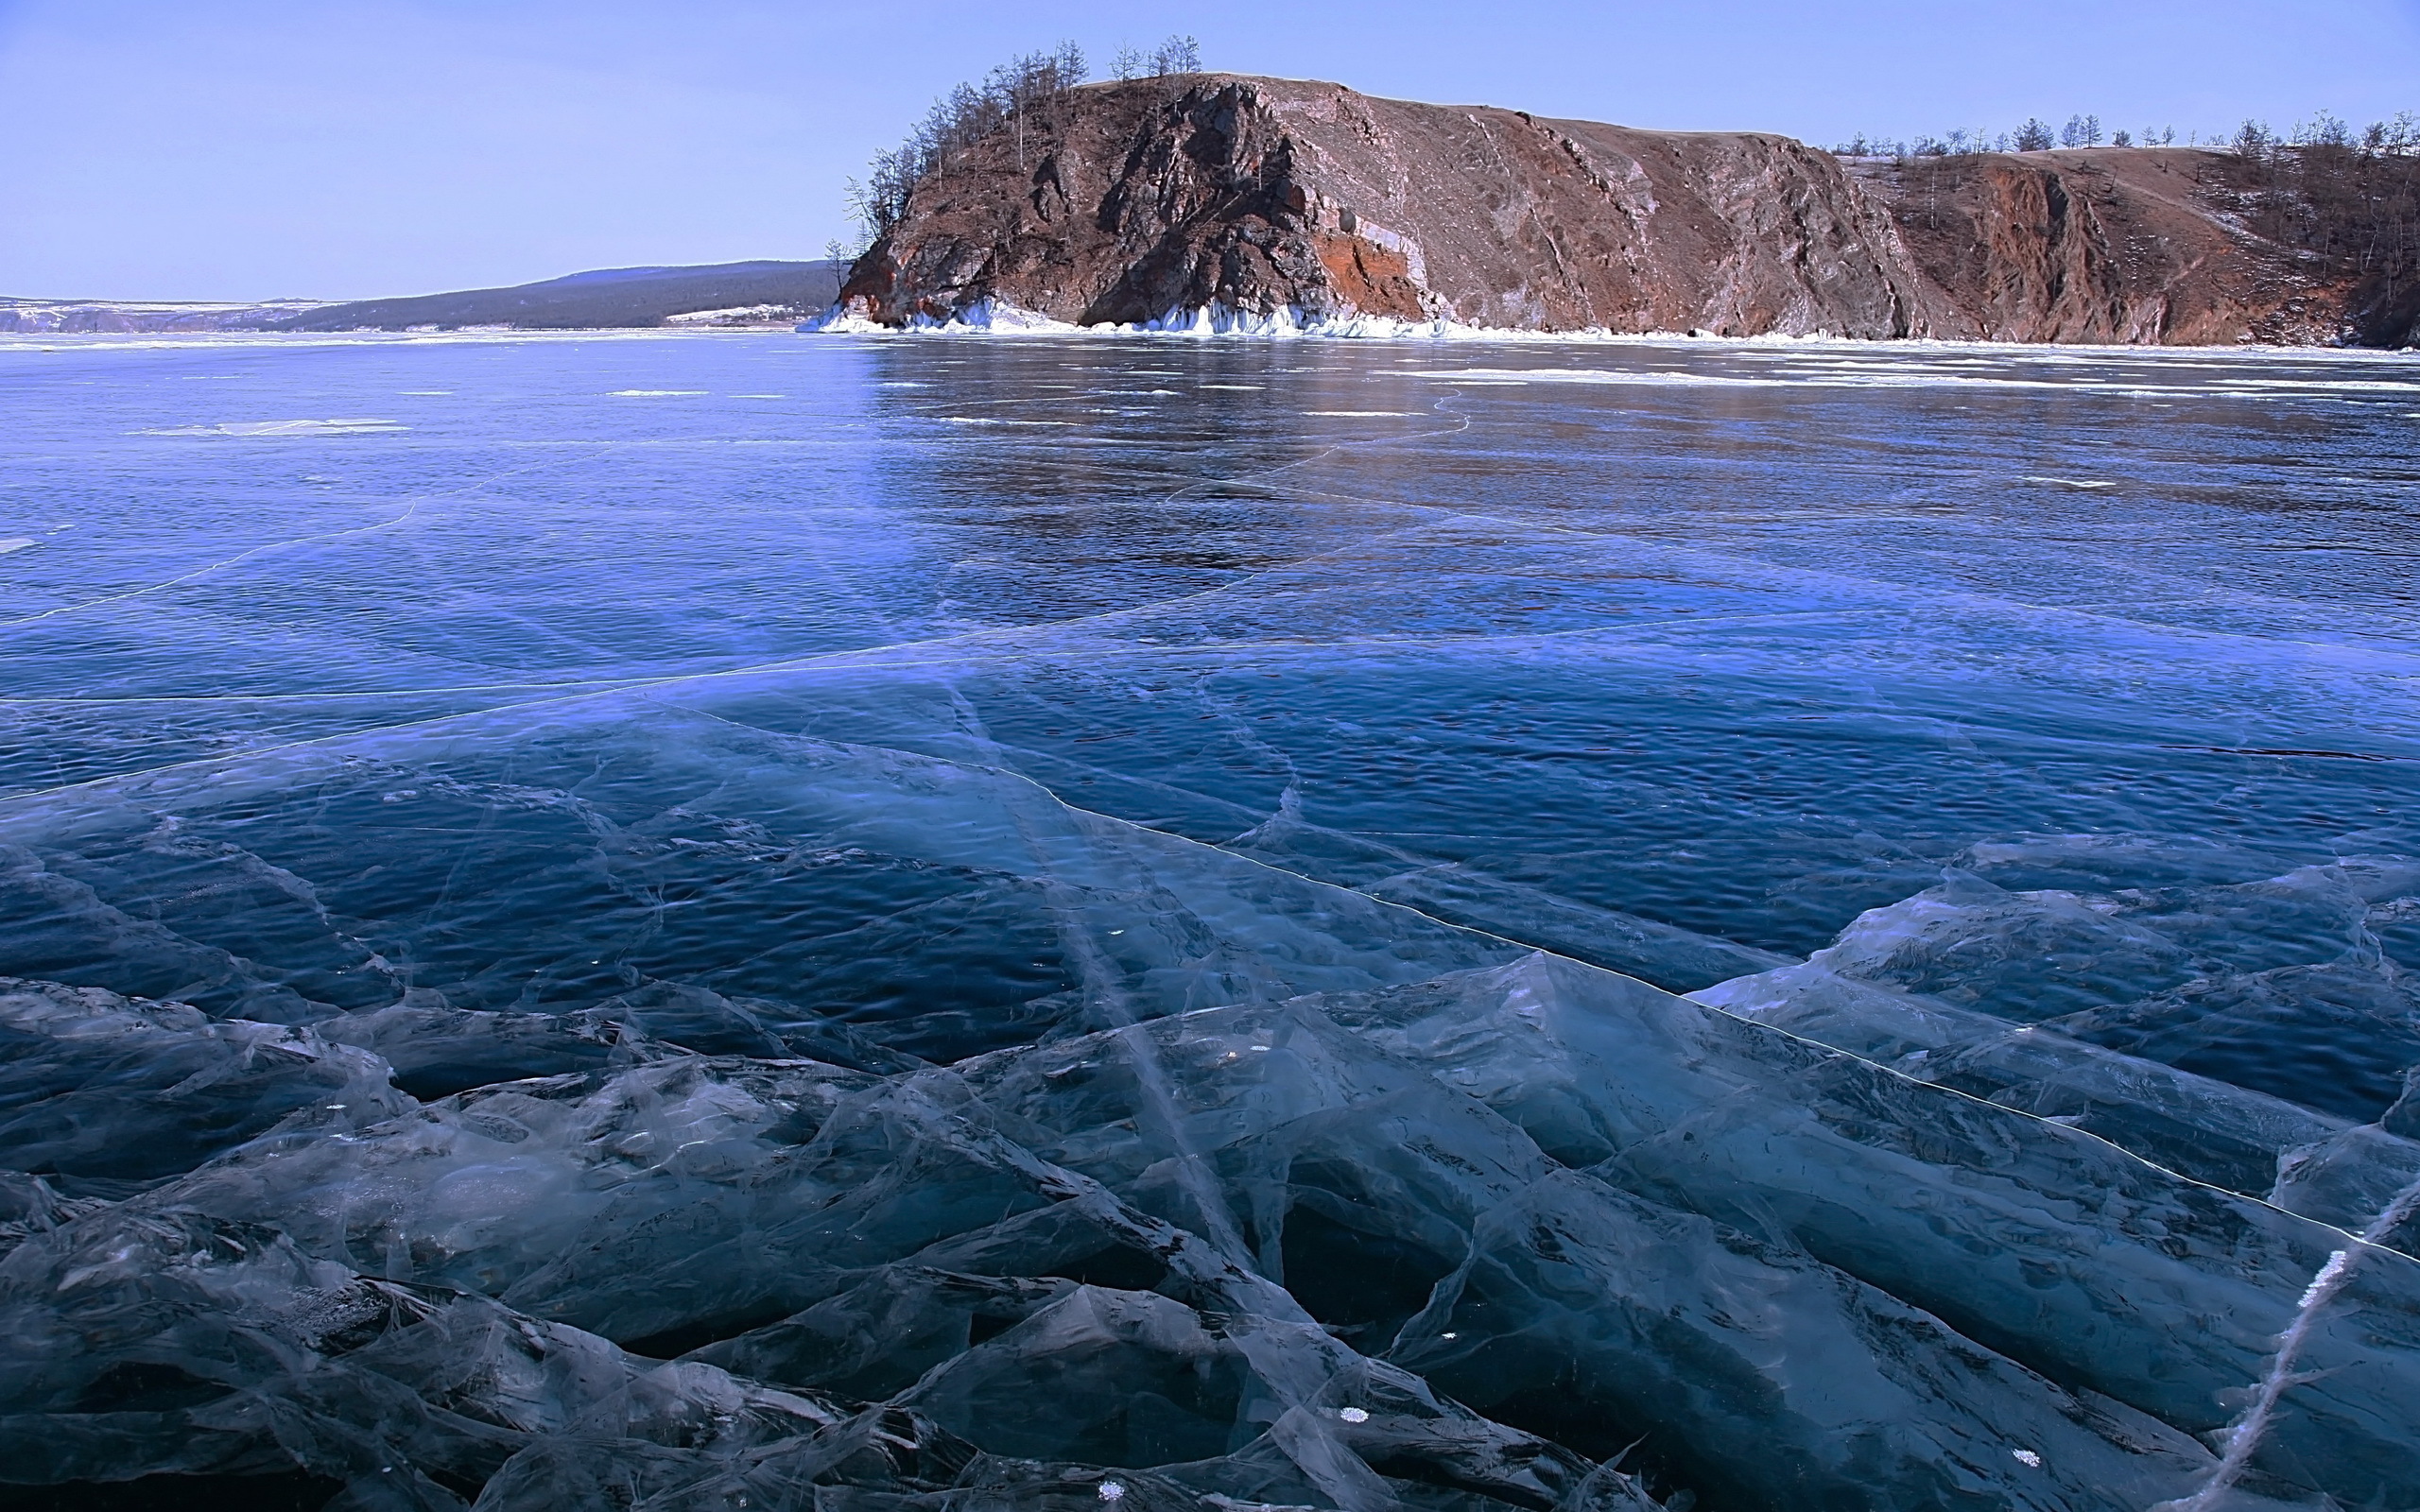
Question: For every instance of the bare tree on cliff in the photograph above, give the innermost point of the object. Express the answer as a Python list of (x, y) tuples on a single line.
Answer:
[(1178, 55), (2350, 204), (967, 114), (1036, 81)]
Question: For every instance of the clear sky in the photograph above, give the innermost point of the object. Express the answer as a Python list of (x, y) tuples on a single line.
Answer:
[(343, 149)]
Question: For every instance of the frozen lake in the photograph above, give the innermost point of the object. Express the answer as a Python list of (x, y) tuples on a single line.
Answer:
[(2015, 752)]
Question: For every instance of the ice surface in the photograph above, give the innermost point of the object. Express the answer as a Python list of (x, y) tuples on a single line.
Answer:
[(2207, 1129), (1193, 1246), (95, 1087), (288, 427), (601, 954), (1821, 1150)]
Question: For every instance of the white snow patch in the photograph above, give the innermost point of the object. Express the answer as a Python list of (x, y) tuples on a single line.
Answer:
[(842, 320), (285, 427), (1216, 319), (1000, 317), (15, 543), (993, 317), (999, 314), (734, 314), (657, 393)]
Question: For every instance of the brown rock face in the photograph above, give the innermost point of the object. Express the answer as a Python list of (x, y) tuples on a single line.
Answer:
[(2110, 245), (1124, 202)]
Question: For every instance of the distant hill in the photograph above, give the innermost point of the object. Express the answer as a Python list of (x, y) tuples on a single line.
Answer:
[(728, 293), (610, 298), (19, 317)]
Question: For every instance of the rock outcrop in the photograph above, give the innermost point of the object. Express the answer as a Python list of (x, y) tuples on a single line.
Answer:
[(2108, 245), (1128, 202)]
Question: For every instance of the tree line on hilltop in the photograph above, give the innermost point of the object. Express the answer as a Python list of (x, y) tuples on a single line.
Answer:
[(1005, 99), (2348, 202), (2345, 201), (2399, 137)]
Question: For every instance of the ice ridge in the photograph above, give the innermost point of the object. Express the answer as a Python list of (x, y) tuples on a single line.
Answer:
[(1320, 1253), (1238, 1189)]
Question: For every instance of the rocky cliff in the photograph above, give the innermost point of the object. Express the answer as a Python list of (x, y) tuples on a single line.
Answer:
[(1127, 202)]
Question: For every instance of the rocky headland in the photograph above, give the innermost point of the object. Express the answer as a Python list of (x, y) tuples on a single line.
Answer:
[(1305, 202)]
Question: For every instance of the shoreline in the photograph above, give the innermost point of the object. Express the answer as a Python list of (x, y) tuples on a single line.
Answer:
[(1452, 334), (992, 318)]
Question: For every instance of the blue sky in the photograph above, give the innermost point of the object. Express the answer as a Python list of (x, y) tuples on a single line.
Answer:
[(339, 149)]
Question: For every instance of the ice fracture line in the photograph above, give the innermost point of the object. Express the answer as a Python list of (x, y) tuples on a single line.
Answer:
[(2244, 1435)]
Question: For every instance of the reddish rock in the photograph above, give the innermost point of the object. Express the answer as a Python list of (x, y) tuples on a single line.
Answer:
[(2114, 245)]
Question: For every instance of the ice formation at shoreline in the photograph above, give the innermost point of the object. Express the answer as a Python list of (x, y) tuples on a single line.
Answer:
[(995, 316)]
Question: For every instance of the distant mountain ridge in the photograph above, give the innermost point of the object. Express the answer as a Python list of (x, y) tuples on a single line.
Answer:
[(27, 316), (1227, 199), (616, 297), (605, 299)]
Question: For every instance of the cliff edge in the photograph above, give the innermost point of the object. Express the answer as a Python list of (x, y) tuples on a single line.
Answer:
[(1139, 201)]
